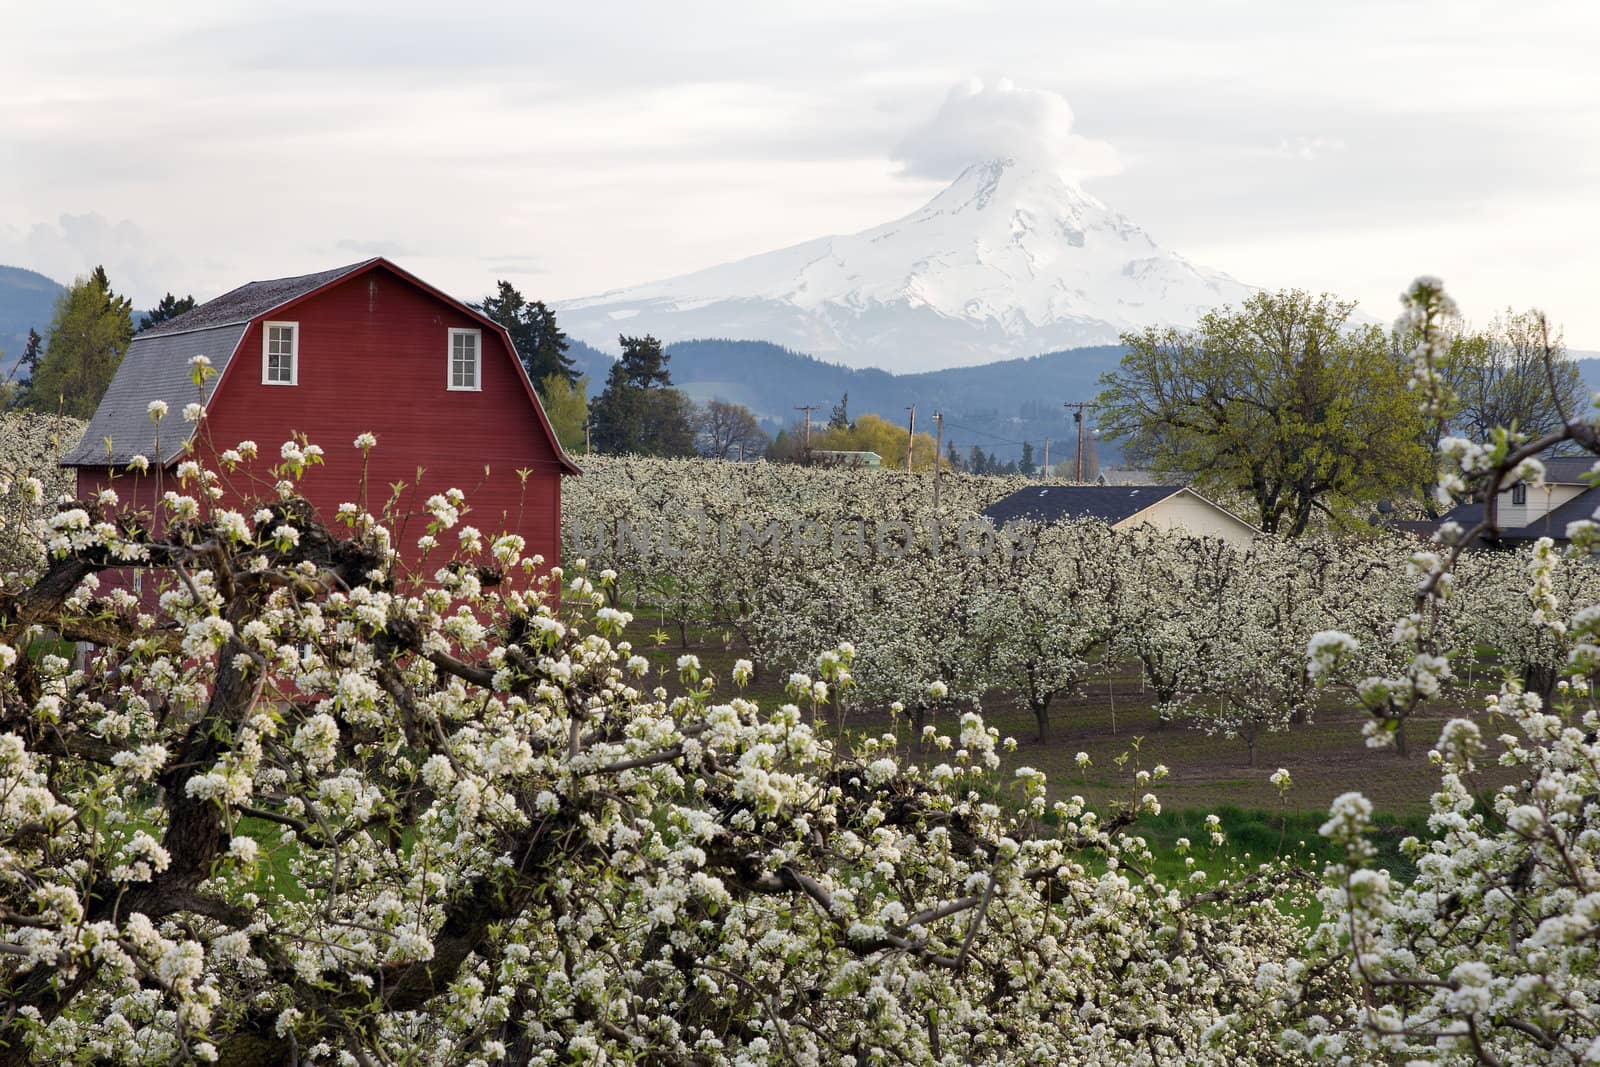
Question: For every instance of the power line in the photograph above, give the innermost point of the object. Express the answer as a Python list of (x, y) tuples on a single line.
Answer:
[(986, 433)]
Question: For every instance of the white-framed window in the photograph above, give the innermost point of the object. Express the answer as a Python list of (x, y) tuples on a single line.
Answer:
[(464, 360), (1519, 493), (280, 353)]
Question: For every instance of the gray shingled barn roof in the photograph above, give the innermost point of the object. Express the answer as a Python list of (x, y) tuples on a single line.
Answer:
[(1063, 503), (249, 300), (156, 367)]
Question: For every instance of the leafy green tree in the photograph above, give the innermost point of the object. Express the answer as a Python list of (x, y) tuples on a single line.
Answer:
[(639, 412), (541, 344), (88, 337), (169, 308), (785, 448), (1282, 399), (873, 433), (566, 404)]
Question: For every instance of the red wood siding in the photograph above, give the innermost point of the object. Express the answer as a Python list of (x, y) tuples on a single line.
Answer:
[(136, 493), (373, 356)]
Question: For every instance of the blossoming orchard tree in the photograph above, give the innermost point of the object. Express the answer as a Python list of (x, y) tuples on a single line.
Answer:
[(326, 807), (1487, 957), (319, 810), (29, 445), (1047, 613)]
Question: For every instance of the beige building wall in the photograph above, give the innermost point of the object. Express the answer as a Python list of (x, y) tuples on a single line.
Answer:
[(1541, 502), (1192, 513)]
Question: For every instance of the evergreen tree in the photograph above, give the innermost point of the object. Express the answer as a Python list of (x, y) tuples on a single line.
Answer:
[(839, 419), (88, 336), (977, 462), (952, 457), (639, 412), (643, 364), (170, 307), (31, 355), (1026, 466), (540, 343), (14, 390)]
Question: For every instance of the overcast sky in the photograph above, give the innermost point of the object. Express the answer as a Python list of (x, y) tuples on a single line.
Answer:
[(1343, 146)]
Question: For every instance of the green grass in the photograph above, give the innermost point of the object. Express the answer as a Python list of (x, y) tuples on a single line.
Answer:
[(1111, 717), (1255, 835)]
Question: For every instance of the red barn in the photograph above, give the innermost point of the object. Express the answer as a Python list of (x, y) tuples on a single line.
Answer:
[(363, 348)]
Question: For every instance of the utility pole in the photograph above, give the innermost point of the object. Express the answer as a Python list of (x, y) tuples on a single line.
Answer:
[(808, 409), (586, 425), (1047, 459), (938, 458), (911, 436), (1077, 417), (741, 451)]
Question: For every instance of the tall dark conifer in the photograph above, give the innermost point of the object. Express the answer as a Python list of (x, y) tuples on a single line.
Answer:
[(27, 367), (639, 411), (541, 344), (169, 308)]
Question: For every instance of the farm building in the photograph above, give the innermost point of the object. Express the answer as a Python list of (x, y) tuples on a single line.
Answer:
[(1124, 507), (823, 457), (358, 349), (1524, 512)]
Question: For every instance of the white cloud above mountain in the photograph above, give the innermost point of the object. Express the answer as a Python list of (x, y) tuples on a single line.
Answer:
[(1337, 147), (999, 120), (75, 244)]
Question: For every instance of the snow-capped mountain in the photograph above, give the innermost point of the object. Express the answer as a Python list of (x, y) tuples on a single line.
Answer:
[(1010, 260)]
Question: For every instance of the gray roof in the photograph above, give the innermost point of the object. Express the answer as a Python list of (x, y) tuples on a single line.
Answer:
[(1125, 476), (1568, 470), (156, 367), (1063, 503), (249, 300), (1552, 525)]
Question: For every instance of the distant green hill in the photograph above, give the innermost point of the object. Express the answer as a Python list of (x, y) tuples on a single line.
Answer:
[(996, 406), (27, 301)]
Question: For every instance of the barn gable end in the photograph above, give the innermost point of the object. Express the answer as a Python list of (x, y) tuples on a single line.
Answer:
[(372, 356)]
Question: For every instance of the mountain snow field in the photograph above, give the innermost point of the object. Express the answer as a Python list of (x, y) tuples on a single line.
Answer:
[(1009, 260)]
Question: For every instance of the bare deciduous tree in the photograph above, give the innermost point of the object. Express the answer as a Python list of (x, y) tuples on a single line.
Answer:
[(726, 428)]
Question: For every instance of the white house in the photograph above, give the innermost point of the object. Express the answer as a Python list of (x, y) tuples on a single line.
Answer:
[(1124, 507), (1525, 512)]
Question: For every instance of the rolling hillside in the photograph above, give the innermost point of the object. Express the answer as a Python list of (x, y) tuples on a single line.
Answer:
[(27, 299), (996, 406)]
